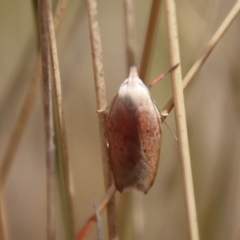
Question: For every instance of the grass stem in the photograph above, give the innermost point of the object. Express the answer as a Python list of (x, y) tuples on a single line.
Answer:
[(44, 11), (21, 122), (61, 130), (129, 33), (101, 206), (207, 51), (149, 37), (180, 117), (100, 90)]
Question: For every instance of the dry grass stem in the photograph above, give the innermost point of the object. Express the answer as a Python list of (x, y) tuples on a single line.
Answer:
[(61, 128), (98, 219), (26, 108), (220, 155), (129, 32), (101, 104), (12, 146), (212, 43), (209, 48), (161, 76), (101, 206), (23, 116), (138, 216), (58, 14), (19, 127), (149, 37), (44, 12), (180, 117)]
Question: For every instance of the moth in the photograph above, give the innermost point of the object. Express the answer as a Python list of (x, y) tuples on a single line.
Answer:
[(134, 135)]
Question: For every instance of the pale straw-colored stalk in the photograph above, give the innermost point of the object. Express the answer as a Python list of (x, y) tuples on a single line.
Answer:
[(61, 129), (26, 107), (149, 39), (101, 206), (129, 33), (21, 122), (207, 51), (100, 90), (180, 117), (43, 12)]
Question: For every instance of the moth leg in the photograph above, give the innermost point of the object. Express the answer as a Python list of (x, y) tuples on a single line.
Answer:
[(164, 113), (102, 110)]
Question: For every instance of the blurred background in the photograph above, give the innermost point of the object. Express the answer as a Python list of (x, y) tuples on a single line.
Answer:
[(212, 106)]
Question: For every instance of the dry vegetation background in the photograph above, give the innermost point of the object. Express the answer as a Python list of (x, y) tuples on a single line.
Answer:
[(212, 106)]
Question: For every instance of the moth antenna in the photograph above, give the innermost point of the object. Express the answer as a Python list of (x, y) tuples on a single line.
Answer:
[(169, 127)]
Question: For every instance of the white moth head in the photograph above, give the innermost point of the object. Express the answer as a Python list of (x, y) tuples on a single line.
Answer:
[(133, 92)]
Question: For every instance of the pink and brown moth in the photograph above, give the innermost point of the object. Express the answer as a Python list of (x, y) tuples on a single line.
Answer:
[(134, 135)]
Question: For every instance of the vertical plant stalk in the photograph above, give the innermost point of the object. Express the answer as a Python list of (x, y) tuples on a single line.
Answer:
[(180, 117), (207, 51), (61, 127), (43, 11), (149, 37), (21, 122), (58, 14), (101, 206), (129, 33), (138, 216), (101, 104), (26, 107)]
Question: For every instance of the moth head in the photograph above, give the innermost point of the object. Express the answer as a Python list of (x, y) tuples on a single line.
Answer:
[(133, 93)]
